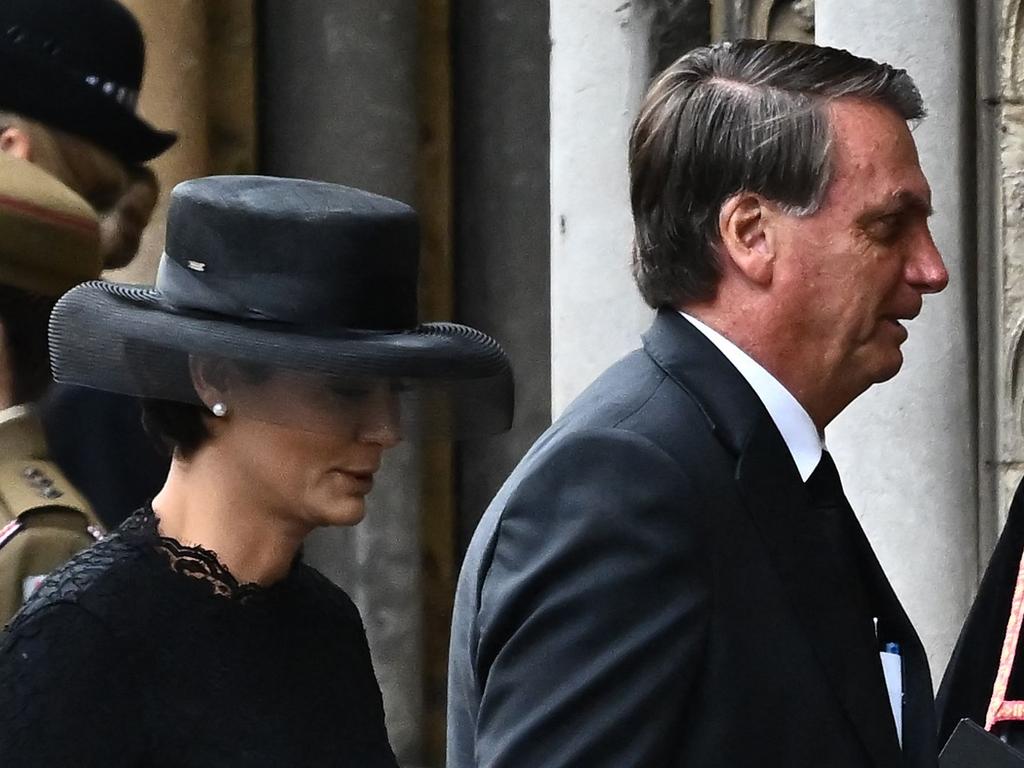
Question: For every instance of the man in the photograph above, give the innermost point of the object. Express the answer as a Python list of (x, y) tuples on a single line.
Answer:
[(672, 576), (69, 108)]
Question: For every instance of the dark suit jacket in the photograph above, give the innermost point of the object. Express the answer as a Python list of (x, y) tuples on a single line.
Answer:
[(645, 591)]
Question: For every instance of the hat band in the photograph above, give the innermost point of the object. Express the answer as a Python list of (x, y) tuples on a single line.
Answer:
[(183, 290), (20, 38), (122, 94), (276, 298)]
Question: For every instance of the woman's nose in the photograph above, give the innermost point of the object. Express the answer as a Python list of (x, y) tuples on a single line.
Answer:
[(380, 419)]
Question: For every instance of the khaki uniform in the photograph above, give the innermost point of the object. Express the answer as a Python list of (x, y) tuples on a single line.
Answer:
[(49, 242), (43, 520)]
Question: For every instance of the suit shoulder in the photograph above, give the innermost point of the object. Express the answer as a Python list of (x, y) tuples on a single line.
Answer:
[(637, 395), (615, 394), (603, 478)]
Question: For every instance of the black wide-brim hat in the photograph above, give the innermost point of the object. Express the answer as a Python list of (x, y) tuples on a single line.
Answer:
[(77, 65), (289, 275)]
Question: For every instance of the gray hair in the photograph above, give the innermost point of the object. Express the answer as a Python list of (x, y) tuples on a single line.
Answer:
[(747, 115)]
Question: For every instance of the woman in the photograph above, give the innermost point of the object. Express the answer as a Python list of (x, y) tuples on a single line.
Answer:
[(280, 358)]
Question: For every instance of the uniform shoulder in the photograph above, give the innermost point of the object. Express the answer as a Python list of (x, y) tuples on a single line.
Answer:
[(28, 485), (29, 481)]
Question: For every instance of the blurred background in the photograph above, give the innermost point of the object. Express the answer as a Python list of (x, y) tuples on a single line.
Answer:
[(505, 124)]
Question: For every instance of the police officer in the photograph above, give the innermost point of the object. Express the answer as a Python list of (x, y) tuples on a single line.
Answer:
[(74, 198)]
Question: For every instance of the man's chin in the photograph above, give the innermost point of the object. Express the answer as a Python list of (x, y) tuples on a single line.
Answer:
[(890, 367)]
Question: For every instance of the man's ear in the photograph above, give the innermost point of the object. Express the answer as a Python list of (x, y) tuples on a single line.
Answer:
[(16, 141), (743, 224)]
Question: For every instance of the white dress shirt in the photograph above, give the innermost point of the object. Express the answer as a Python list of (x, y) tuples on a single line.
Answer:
[(802, 438)]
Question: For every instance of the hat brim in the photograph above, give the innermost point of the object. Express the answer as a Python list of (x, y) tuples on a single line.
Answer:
[(43, 92), (126, 339)]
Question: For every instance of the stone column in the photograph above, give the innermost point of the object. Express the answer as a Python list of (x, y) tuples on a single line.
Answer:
[(501, 233), (600, 65), (908, 448), (339, 94)]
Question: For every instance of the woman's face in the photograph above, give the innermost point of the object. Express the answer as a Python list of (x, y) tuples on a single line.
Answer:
[(308, 448)]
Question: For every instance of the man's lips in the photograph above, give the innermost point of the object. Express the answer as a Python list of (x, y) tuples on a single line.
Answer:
[(901, 317), (897, 323)]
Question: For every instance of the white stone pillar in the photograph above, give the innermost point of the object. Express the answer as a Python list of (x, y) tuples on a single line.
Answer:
[(908, 448), (599, 72)]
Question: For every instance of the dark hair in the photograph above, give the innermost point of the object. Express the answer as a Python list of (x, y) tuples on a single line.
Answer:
[(743, 115), (181, 428), (25, 316), (175, 427)]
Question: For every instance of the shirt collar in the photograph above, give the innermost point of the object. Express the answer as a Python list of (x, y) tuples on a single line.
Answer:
[(802, 438)]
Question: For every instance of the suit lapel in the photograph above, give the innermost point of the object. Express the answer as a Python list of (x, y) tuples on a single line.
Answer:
[(778, 504)]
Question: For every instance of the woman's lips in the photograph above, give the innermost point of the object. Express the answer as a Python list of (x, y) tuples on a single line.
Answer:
[(360, 480)]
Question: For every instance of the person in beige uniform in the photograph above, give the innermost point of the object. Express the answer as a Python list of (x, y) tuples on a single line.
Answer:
[(49, 242), (71, 111), (74, 199)]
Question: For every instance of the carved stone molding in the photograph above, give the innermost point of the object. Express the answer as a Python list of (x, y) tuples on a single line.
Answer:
[(1012, 50), (1005, 306), (765, 19), (677, 26)]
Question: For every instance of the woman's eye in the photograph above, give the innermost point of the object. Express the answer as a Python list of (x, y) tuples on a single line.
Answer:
[(353, 394), (350, 392)]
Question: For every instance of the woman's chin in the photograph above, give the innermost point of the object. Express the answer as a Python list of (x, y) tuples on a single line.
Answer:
[(344, 512)]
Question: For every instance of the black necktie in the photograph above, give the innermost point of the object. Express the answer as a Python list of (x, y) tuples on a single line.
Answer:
[(840, 533)]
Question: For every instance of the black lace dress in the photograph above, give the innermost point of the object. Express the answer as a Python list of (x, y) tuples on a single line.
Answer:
[(144, 652)]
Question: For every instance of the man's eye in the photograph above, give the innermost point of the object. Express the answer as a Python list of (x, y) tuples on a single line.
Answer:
[(886, 229)]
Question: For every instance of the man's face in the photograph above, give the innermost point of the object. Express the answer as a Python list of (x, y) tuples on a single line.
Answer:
[(853, 273)]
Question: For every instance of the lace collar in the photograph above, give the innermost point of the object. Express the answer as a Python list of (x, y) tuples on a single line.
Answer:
[(197, 562)]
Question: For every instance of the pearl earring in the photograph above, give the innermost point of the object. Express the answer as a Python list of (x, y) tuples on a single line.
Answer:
[(219, 409)]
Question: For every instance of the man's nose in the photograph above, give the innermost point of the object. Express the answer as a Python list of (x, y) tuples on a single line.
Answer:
[(926, 270)]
